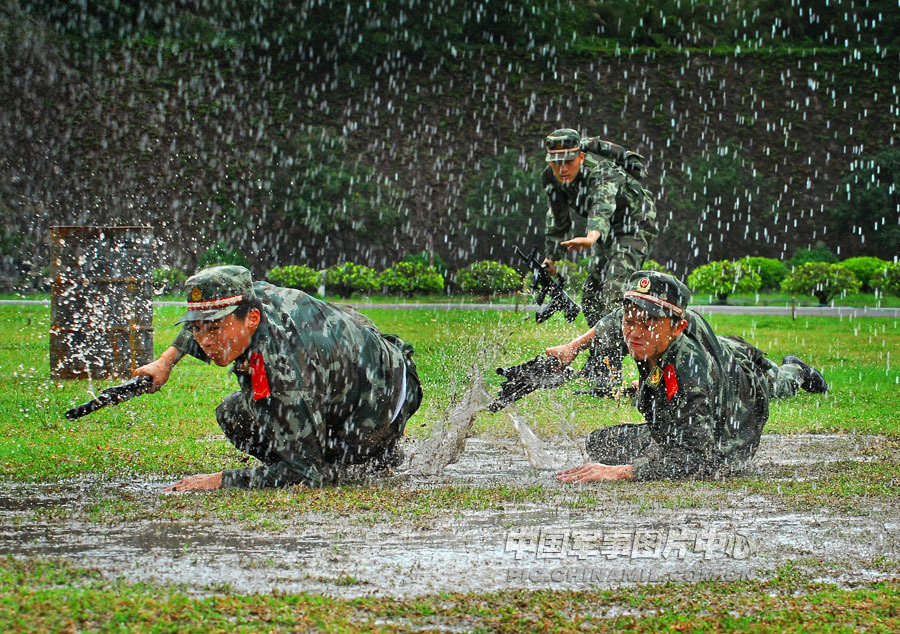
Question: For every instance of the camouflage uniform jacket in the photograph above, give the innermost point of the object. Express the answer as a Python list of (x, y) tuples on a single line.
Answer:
[(333, 385), (613, 201), (705, 407)]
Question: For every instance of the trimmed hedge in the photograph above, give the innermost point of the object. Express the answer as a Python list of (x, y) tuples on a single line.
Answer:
[(802, 256), (771, 271), (219, 253), (296, 276), (487, 277), (822, 279), (410, 278), (428, 258), (348, 278), (723, 278)]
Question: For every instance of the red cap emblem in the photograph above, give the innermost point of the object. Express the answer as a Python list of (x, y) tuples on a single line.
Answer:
[(644, 284), (196, 294)]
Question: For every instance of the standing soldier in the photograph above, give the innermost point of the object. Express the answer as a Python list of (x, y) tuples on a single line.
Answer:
[(602, 186), (621, 215), (319, 384)]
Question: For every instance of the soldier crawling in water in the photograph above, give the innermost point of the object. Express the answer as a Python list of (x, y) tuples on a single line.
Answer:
[(319, 384), (704, 398)]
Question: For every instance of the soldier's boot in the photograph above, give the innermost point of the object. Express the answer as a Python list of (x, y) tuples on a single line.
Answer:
[(813, 381)]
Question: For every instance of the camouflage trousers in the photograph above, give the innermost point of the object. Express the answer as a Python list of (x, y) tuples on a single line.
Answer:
[(611, 266), (243, 430), (778, 381)]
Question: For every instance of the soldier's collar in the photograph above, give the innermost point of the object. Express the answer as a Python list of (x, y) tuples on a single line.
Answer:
[(241, 365)]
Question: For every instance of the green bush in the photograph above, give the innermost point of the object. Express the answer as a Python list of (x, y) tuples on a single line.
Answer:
[(487, 277), (167, 281), (219, 253), (864, 268), (428, 258), (723, 278), (348, 278), (771, 271), (822, 279), (410, 278), (294, 276), (802, 256), (887, 280)]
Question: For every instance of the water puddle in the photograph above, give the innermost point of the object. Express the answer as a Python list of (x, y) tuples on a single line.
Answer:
[(556, 543)]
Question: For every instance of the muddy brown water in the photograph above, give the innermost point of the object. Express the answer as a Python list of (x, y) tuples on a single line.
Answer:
[(622, 539)]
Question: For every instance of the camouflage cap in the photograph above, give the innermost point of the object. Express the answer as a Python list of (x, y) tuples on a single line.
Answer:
[(563, 145), (215, 293), (659, 294)]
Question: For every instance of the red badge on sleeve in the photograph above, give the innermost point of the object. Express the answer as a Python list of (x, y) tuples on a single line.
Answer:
[(671, 381), (258, 377)]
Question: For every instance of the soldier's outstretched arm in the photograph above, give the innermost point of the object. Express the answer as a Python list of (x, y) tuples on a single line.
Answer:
[(199, 482), (596, 472), (160, 369), (568, 352), (581, 243)]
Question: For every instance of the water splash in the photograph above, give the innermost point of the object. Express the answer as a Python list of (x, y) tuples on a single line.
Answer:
[(447, 439), (532, 446)]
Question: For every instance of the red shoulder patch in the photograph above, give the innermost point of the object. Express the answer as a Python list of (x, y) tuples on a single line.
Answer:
[(258, 377), (671, 381)]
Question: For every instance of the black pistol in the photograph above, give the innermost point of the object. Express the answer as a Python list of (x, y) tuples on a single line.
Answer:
[(544, 283), (112, 396)]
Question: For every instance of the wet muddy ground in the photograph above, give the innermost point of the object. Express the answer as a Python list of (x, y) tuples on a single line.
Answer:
[(627, 535)]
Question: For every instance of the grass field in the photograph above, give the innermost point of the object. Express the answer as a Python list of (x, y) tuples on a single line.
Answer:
[(174, 432), (40, 597)]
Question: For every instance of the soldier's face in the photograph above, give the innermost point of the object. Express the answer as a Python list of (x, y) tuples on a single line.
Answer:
[(648, 337), (566, 171), (223, 340)]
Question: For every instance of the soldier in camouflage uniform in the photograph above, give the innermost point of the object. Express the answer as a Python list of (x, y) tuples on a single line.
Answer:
[(704, 398), (320, 385), (621, 216)]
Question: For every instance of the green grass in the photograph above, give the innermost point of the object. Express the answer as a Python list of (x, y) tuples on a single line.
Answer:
[(40, 595), (174, 431)]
